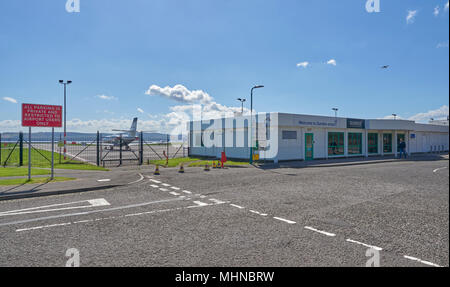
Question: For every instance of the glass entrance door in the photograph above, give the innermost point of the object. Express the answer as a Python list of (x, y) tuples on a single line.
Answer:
[(309, 146)]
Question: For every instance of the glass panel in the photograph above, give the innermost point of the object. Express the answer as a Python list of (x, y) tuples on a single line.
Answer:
[(335, 143), (387, 143), (354, 143), (372, 143)]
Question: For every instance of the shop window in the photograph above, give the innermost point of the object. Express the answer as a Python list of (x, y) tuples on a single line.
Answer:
[(354, 143), (387, 143), (335, 143), (372, 143)]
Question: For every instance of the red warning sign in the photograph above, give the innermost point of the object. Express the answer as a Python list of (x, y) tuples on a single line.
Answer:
[(34, 115)]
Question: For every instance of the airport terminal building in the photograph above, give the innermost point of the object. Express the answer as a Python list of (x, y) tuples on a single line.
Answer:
[(281, 136)]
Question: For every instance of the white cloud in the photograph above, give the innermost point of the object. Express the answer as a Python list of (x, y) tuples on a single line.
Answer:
[(442, 45), (436, 11), (11, 100), (332, 62), (140, 110), (105, 97), (303, 64), (180, 93), (411, 16), (438, 114)]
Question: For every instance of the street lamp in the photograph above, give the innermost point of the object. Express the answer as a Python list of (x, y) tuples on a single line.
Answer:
[(65, 84), (242, 105), (335, 112), (395, 116), (251, 121)]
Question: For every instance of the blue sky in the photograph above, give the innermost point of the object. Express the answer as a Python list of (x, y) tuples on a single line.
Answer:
[(113, 51)]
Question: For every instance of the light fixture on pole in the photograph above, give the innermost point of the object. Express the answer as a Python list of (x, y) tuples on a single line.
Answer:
[(395, 116), (242, 105), (335, 112), (65, 84), (251, 121)]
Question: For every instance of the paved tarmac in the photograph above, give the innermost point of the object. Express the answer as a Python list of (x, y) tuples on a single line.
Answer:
[(322, 216)]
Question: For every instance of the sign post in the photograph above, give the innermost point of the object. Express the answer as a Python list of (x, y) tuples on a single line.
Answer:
[(34, 115)]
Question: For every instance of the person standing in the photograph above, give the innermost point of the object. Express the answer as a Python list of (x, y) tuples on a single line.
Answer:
[(402, 148)]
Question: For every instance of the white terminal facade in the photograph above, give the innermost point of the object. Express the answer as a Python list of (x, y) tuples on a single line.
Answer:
[(281, 137)]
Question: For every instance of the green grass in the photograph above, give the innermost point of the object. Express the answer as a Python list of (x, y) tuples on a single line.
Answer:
[(18, 181), (42, 158), (174, 161), (21, 171), (228, 163)]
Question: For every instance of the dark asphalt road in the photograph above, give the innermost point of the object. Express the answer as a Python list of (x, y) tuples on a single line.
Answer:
[(324, 216)]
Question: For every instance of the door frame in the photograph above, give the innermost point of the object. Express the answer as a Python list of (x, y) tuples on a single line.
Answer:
[(312, 148)]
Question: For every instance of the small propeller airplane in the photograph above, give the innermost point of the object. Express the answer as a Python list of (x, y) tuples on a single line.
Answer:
[(385, 67), (128, 136)]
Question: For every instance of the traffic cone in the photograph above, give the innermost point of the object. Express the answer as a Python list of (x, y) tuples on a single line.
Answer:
[(181, 168), (218, 164), (156, 170), (206, 167), (214, 164)]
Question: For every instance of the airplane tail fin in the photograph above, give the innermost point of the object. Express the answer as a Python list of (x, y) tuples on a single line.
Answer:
[(133, 127)]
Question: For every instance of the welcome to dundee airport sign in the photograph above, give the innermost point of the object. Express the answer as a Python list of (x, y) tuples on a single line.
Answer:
[(34, 115)]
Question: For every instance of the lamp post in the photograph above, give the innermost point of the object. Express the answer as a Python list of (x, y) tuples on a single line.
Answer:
[(242, 105), (251, 121), (65, 84), (395, 116), (335, 112)]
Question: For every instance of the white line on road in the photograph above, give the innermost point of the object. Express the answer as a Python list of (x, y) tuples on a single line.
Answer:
[(174, 187), (44, 226), (438, 169), (366, 245), (136, 181), (103, 180), (257, 212), (174, 193), (163, 189), (285, 220), (155, 181), (187, 191), (199, 203), (48, 208), (154, 185), (320, 231), (237, 206), (165, 184), (216, 201), (421, 261)]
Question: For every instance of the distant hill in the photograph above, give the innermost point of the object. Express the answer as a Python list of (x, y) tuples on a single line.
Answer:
[(85, 137)]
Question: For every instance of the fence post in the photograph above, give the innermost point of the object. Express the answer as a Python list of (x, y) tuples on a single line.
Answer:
[(120, 152), (167, 153), (141, 148), (20, 148), (0, 148), (59, 145), (98, 148)]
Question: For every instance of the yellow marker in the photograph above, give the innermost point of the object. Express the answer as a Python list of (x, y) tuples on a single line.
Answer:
[(156, 170)]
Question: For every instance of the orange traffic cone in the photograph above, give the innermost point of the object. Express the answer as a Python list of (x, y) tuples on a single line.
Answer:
[(181, 168), (156, 170)]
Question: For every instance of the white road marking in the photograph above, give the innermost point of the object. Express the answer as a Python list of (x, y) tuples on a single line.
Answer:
[(165, 184), (421, 261), (174, 187), (234, 205), (257, 212), (199, 203), (55, 207), (285, 220), (174, 193), (163, 189), (154, 185), (366, 245), (202, 196), (89, 212), (103, 180), (437, 169), (320, 231), (155, 181), (217, 201), (187, 191), (136, 181), (116, 217)]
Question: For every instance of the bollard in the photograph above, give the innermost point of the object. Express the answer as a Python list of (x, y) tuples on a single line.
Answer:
[(181, 168), (206, 167), (157, 170)]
